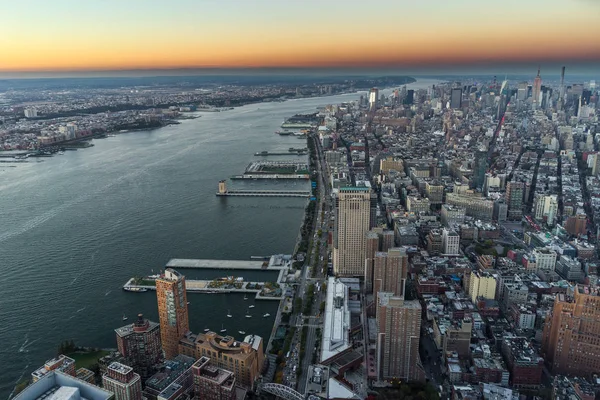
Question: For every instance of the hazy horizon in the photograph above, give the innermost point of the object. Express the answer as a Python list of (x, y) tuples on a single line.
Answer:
[(547, 71), (68, 36)]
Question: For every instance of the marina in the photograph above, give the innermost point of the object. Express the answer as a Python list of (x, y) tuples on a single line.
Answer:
[(228, 284)]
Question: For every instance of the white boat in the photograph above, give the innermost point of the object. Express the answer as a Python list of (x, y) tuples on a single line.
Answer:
[(252, 306), (248, 314), (242, 332), (124, 317), (266, 315), (223, 329), (134, 289), (206, 329), (188, 303), (245, 297), (229, 314)]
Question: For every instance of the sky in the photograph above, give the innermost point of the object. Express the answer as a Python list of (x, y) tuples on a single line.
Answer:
[(93, 35)]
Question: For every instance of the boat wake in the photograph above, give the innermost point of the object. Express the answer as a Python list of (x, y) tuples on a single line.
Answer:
[(27, 343)]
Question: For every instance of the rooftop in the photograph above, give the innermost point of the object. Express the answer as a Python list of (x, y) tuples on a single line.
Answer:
[(336, 323), (57, 385)]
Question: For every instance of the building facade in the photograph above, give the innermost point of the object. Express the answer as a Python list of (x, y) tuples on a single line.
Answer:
[(399, 324), (390, 271), (123, 382), (140, 344), (212, 383), (244, 358), (172, 310), (571, 338), (353, 221)]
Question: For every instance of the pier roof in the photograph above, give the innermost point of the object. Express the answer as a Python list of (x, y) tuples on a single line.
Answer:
[(214, 264)]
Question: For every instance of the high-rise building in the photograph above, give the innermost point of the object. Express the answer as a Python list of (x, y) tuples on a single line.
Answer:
[(353, 221), (537, 89), (571, 339), (172, 310), (514, 199), (450, 242), (244, 358), (545, 207), (212, 383), (399, 323), (377, 240), (373, 98), (30, 112), (390, 271), (480, 168), (123, 382), (482, 284), (140, 344), (410, 97), (456, 98)]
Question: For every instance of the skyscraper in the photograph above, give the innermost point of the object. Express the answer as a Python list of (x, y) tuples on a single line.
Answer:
[(123, 382), (353, 220), (140, 344), (172, 310), (399, 323), (480, 168), (514, 199), (456, 98), (377, 240), (537, 88), (390, 271), (571, 339), (373, 98)]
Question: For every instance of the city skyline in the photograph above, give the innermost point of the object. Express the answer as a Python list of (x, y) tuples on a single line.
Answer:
[(99, 36)]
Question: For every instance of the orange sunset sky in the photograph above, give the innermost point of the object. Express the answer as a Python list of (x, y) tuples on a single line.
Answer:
[(41, 35)]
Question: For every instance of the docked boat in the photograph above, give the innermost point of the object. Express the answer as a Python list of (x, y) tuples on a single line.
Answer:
[(134, 289), (206, 329), (266, 315), (252, 306), (223, 329), (284, 133), (242, 332), (245, 297), (188, 303)]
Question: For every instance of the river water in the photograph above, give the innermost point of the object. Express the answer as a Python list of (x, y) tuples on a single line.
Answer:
[(75, 227)]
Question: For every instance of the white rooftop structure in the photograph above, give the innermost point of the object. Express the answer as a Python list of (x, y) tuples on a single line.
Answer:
[(336, 325), (56, 385), (336, 390)]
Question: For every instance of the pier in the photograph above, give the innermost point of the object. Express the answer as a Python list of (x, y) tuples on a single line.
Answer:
[(270, 176), (279, 263), (290, 153), (223, 191), (265, 193)]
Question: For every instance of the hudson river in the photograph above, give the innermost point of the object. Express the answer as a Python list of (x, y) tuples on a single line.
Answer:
[(75, 227)]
